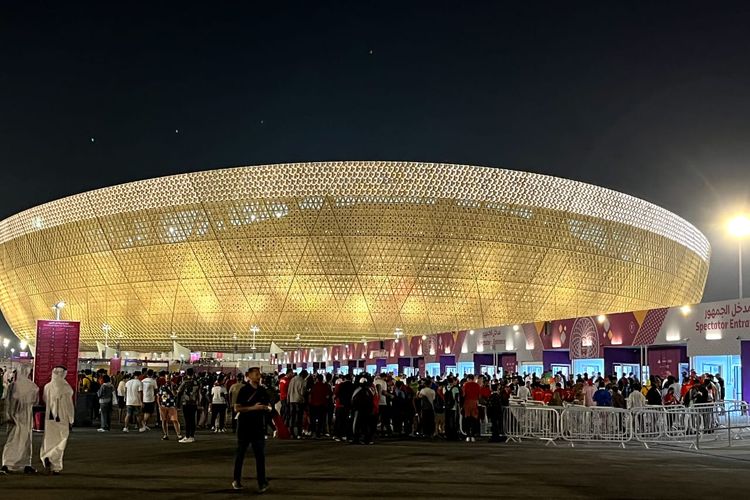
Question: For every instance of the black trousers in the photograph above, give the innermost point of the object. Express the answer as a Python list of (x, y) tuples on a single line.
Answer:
[(190, 413), (342, 423), (428, 423), (451, 424), (220, 412), (317, 419), (258, 445), (296, 414)]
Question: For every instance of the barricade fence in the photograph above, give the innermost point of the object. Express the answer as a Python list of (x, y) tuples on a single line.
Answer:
[(716, 424)]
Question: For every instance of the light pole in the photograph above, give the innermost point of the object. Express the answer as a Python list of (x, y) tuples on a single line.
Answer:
[(254, 329), (106, 327), (57, 308), (739, 227)]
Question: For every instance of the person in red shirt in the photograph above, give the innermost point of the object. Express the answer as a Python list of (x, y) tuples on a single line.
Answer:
[(471, 393), (537, 394), (283, 392), (320, 395)]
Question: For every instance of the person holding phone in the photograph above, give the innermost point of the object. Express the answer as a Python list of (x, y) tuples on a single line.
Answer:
[(252, 407)]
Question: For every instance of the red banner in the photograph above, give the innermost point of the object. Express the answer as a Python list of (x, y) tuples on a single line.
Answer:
[(115, 365), (56, 345)]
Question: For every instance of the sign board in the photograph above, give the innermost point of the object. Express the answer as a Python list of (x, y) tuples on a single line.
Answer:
[(56, 345)]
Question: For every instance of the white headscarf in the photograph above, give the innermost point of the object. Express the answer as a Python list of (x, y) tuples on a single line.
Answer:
[(23, 391), (59, 388)]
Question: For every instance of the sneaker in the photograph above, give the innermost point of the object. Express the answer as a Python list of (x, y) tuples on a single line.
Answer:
[(473, 440), (165, 438), (236, 485), (179, 438), (190, 440), (125, 429), (337, 439), (468, 439), (30, 470), (183, 440), (143, 429), (263, 488), (101, 430)]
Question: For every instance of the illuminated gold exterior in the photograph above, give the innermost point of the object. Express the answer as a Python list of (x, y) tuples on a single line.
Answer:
[(339, 251)]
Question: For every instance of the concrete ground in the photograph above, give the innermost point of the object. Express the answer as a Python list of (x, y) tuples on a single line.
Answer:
[(142, 466)]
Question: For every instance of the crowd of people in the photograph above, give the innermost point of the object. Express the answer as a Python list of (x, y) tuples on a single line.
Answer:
[(355, 409), (359, 408), (625, 391)]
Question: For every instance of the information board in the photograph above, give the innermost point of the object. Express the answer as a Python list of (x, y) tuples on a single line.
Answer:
[(56, 345)]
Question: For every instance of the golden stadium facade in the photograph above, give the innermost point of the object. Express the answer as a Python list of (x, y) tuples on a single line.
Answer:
[(323, 253)]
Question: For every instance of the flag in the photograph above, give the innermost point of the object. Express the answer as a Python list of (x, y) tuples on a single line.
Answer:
[(276, 349), (180, 352)]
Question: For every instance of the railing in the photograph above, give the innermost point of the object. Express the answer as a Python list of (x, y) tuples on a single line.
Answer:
[(719, 424), (596, 424), (531, 422)]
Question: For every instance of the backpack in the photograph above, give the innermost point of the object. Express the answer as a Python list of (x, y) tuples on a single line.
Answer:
[(362, 399), (93, 386), (190, 393), (439, 404), (450, 399)]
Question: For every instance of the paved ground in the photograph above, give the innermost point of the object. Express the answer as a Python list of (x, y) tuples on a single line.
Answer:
[(143, 466)]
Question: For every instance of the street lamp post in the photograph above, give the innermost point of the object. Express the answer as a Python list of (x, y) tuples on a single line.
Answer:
[(106, 327), (255, 330), (739, 227), (57, 308)]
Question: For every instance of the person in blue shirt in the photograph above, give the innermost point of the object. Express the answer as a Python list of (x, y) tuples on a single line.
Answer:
[(602, 397)]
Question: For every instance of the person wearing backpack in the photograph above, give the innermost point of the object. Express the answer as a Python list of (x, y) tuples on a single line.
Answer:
[(426, 398), (440, 410), (188, 395), (362, 408), (451, 409)]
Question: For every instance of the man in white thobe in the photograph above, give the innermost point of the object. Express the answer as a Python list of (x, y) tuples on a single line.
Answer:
[(20, 399), (59, 416)]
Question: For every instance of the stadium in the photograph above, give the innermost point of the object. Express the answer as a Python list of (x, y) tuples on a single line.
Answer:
[(314, 254)]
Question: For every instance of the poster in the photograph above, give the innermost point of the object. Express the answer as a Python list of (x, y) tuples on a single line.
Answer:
[(56, 345)]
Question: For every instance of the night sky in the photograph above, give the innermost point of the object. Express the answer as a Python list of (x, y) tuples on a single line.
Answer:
[(652, 100)]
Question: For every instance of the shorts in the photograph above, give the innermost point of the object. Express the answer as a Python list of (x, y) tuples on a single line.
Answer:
[(133, 411), (471, 408), (121, 402), (168, 414), (149, 408)]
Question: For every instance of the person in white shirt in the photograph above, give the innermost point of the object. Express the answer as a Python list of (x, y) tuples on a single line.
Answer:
[(636, 399), (133, 403), (218, 405), (426, 398), (149, 397), (524, 391), (121, 393), (381, 386)]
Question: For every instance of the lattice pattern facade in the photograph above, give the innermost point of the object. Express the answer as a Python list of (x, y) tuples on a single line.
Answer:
[(335, 252)]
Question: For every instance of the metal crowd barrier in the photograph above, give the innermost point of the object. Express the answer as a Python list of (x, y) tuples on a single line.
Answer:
[(716, 424), (531, 422), (596, 424)]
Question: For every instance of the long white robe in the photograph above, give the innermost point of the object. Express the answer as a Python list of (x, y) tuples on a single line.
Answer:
[(21, 397), (59, 416)]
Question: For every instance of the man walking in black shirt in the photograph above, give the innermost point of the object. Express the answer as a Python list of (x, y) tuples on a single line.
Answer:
[(253, 405)]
